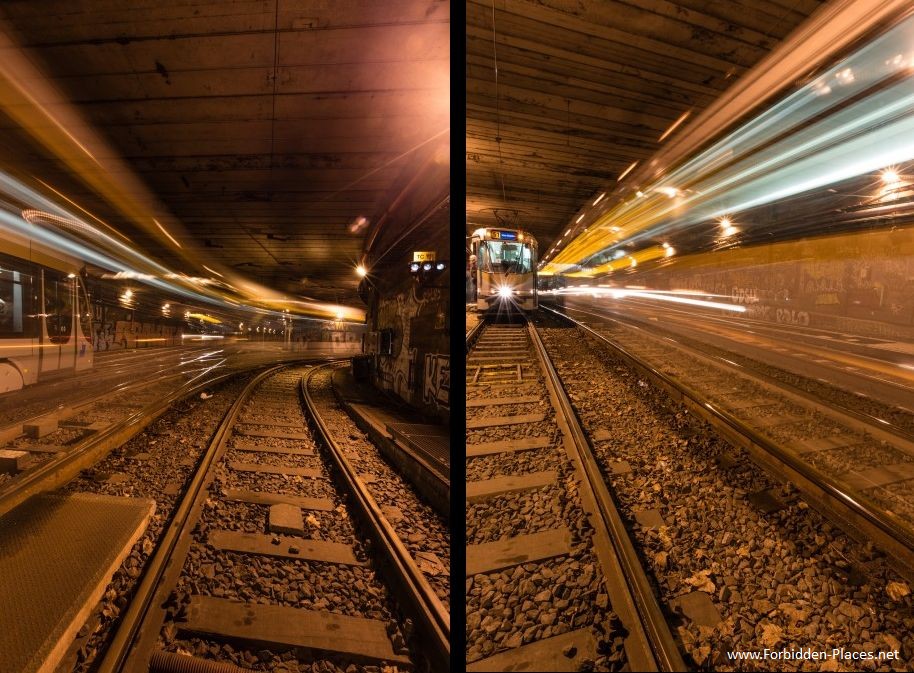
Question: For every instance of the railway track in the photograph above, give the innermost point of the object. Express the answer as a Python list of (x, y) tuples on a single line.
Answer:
[(273, 557), (553, 581), (858, 469), (739, 560)]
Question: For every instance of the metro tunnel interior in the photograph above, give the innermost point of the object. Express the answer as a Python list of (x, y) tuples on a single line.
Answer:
[(690, 336), (224, 336)]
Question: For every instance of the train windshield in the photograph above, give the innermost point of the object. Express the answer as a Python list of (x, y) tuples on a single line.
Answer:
[(505, 257)]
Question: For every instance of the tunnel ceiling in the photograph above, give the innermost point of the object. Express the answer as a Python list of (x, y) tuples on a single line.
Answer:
[(587, 87), (267, 128)]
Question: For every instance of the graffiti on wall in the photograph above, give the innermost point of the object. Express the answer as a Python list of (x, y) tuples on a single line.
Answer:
[(397, 371), (437, 380)]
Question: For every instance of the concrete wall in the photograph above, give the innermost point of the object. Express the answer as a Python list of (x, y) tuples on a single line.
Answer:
[(860, 283)]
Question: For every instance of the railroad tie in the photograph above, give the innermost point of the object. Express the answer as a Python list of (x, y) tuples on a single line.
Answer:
[(282, 627), (507, 446), (509, 552), (513, 483), (263, 468)]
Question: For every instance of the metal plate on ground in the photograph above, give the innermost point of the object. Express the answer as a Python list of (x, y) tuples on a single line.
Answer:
[(275, 469), (290, 627), (264, 498), (58, 555), (433, 441), (512, 551), (287, 547), (548, 654)]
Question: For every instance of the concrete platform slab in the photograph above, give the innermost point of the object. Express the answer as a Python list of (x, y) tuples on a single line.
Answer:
[(58, 555), (264, 498), (12, 461), (507, 446), (491, 488), (309, 472), (492, 556), (276, 625), (548, 654), (40, 428), (287, 547), (285, 518)]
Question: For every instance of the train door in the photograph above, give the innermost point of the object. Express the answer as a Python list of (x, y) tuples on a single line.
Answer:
[(63, 343)]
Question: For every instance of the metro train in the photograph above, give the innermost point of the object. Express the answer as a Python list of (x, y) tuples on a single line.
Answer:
[(503, 268), (45, 317)]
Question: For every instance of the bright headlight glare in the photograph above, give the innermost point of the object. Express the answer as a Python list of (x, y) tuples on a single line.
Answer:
[(505, 291)]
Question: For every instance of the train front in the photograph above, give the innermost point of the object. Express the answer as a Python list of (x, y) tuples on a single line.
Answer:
[(504, 270)]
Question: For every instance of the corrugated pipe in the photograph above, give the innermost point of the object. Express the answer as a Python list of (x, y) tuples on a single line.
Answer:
[(169, 662)]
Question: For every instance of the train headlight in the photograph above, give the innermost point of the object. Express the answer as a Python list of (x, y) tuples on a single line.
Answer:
[(504, 291)]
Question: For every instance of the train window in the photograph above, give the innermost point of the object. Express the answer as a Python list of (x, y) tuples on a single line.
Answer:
[(505, 257), (58, 305), (15, 300)]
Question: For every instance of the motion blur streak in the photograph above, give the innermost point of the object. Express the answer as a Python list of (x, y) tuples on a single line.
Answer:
[(660, 295), (43, 113), (852, 119)]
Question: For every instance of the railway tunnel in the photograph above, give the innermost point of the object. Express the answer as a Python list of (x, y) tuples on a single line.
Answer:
[(689, 336), (224, 336)]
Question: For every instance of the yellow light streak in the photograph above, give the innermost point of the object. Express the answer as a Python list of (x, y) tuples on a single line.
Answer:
[(170, 237), (626, 171), (685, 115)]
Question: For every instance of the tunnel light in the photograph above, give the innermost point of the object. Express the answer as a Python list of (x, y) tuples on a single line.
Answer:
[(599, 198), (673, 127), (626, 171), (427, 266), (578, 221), (439, 266), (634, 262), (128, 294), (670, 250), (339, 315), (669, 191), (361, 271), (639, 193), (890, 176), (71, 275), (414, 267), (725, 222), (729, 231)]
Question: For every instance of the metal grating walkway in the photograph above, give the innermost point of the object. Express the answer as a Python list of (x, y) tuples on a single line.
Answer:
[(57, 555)]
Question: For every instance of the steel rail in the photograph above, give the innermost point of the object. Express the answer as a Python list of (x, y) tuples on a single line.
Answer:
[(723, 420), (862, 416), (659, 650), (432, 617), (137, 616)]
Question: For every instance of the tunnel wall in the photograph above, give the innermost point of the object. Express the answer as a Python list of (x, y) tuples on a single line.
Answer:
[(861, 283)]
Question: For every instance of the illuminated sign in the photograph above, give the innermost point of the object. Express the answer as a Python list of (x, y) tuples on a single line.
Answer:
[(504, 235), (419, 256)]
